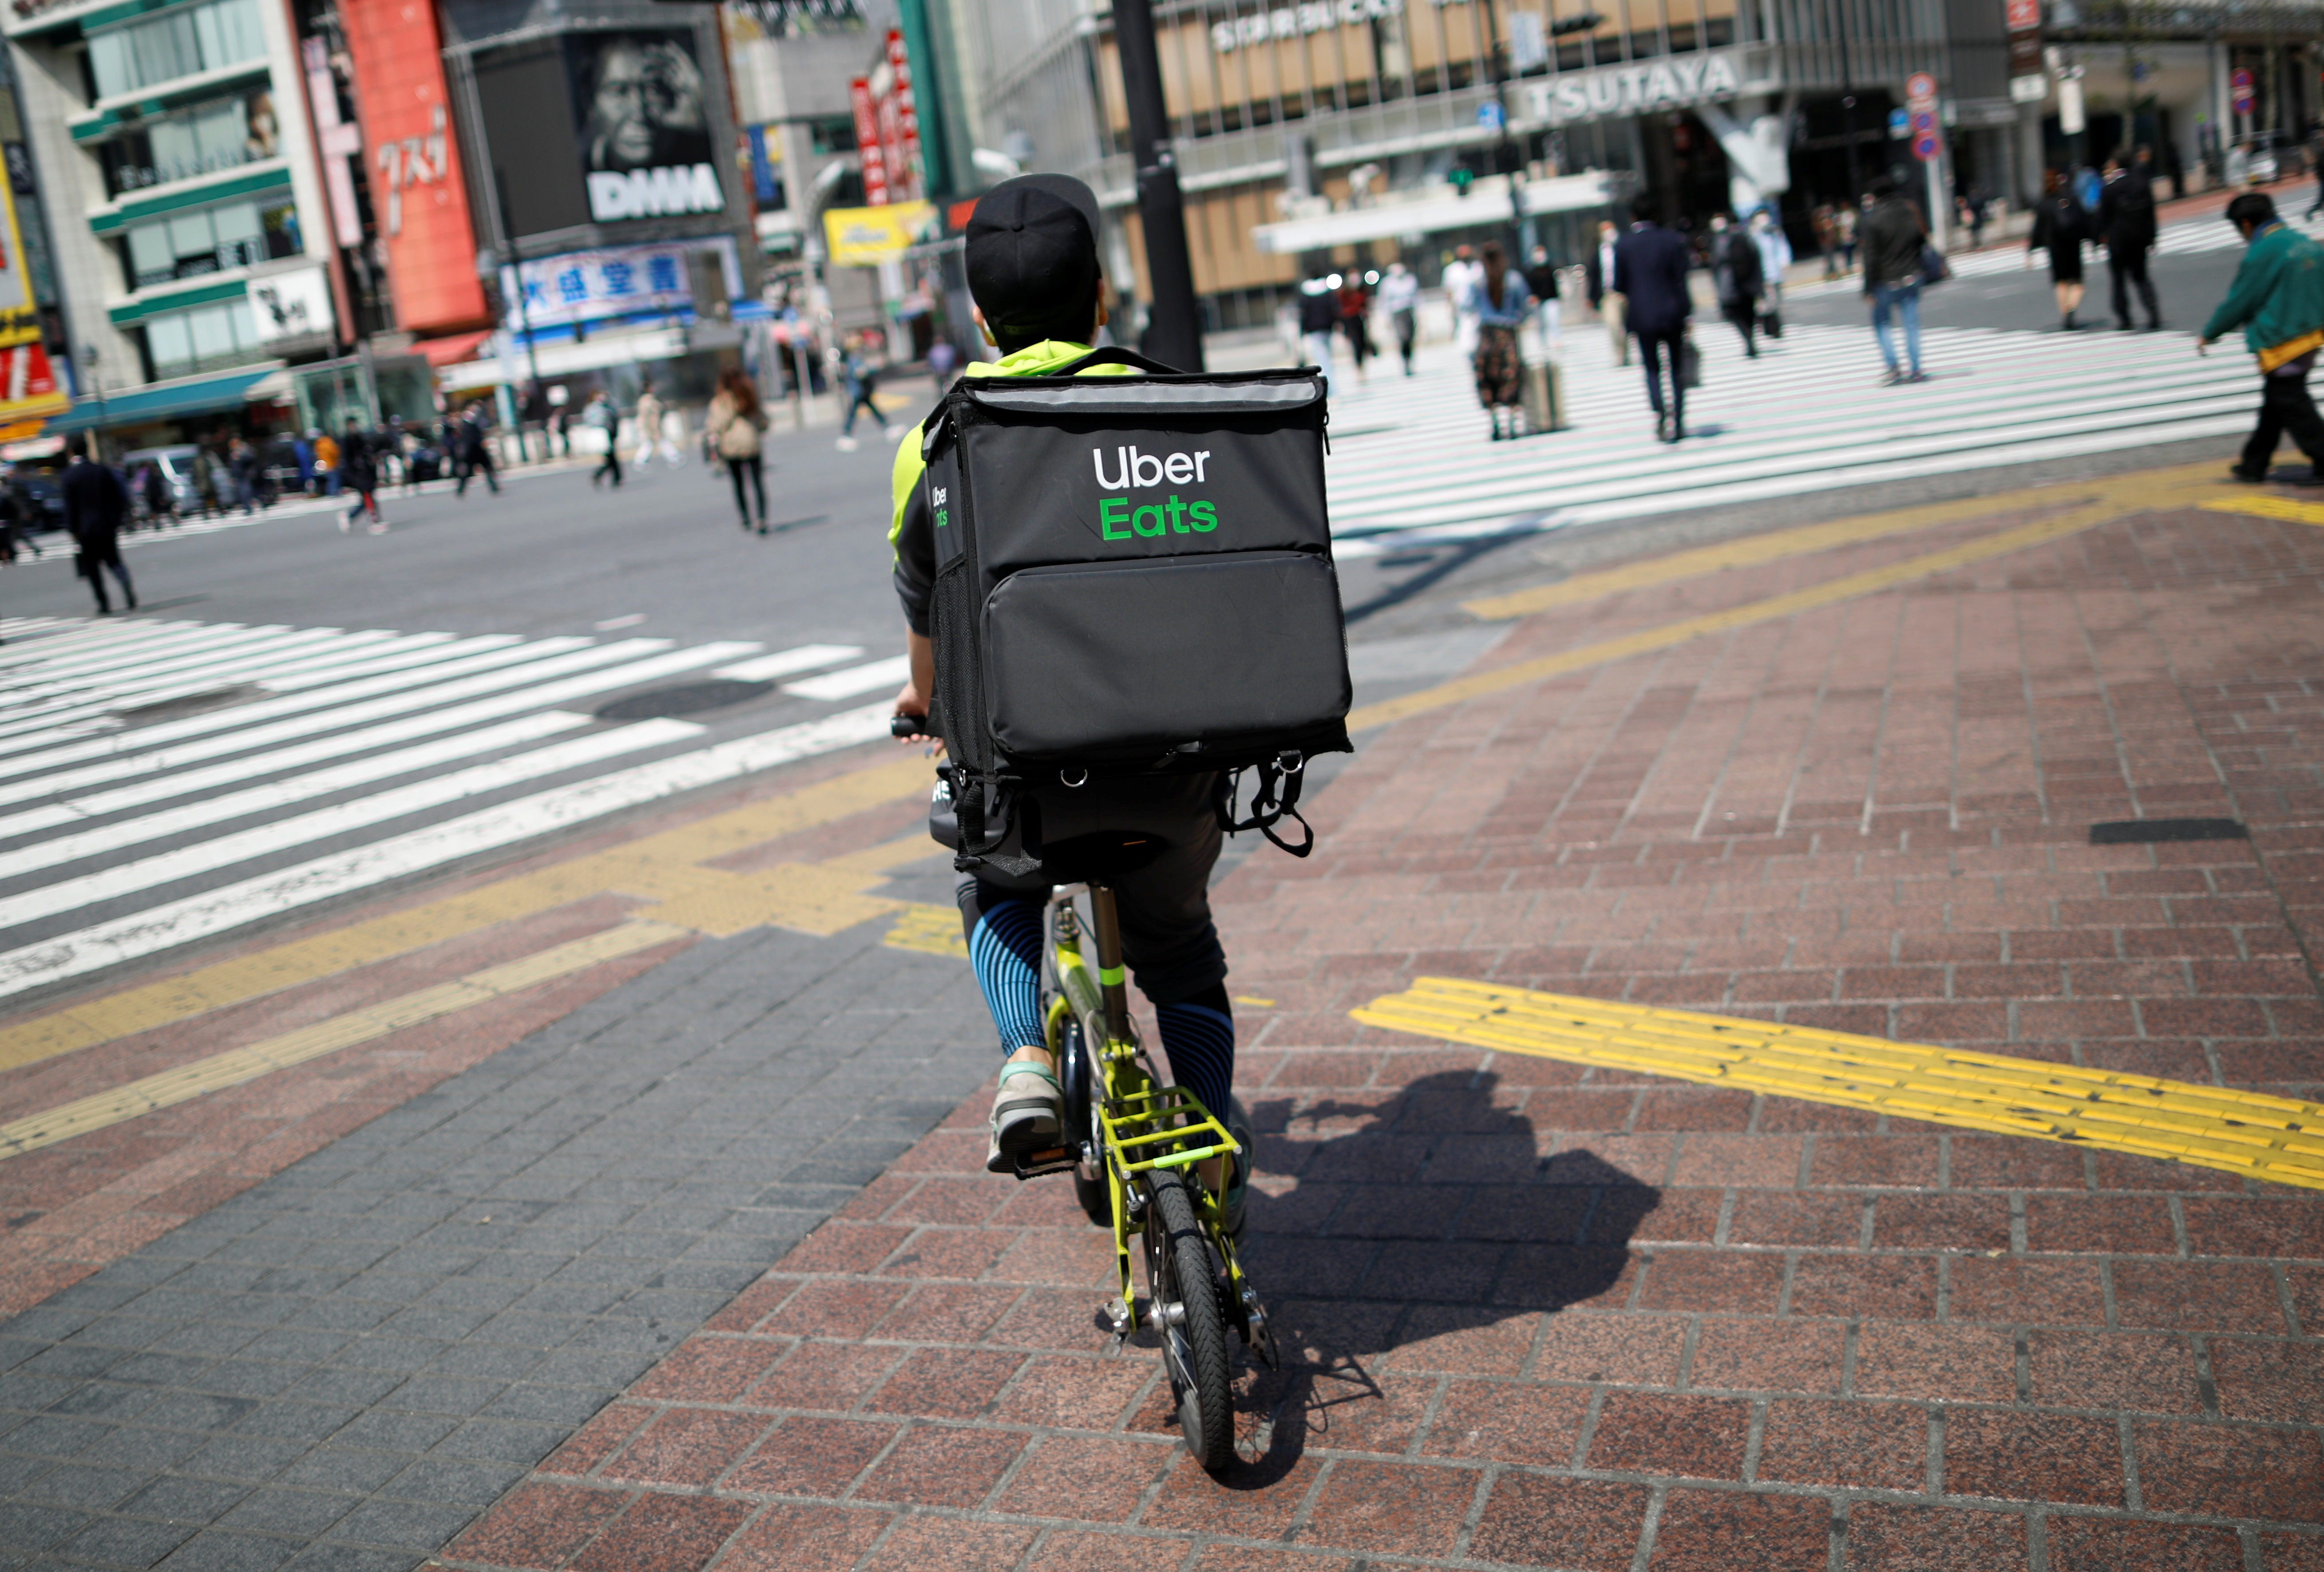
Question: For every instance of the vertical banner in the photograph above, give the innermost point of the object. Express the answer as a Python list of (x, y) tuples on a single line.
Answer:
[(867, 143), (413, 162), (899, 124)]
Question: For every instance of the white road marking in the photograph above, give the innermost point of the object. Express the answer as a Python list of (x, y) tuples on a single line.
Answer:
[(784, 662), (856, 679)]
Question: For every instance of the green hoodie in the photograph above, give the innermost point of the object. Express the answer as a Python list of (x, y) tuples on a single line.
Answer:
[(1032, 360), (2277, 297)]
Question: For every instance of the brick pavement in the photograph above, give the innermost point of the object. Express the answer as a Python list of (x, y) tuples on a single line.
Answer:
[(1541, 1317), (1554, 1318)]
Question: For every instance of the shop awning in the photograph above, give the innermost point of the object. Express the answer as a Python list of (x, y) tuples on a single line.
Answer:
[(452, 348), (163, 401), (561, 360), (1485, 205)]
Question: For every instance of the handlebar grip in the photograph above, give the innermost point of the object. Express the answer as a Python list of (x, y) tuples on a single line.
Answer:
[(908, 726)]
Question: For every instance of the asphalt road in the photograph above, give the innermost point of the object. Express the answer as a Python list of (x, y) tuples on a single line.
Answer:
[(2189, 285)]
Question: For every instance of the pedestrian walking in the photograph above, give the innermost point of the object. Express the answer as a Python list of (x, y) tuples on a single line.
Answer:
[(1319, 322), (653, 429), (1843, 233), (1650, 268), (1501, 304), (1399, 297), (97, 504), (736, 426), (476, 450), (1977, 211), (1894, 237), (1461, 276), (1825, 226), (161, 506), (2127, 226), (359, 475), (1775, 256), (863, 377), (2061, 226), (1735, 275), (2277, 299), (1541, 282), (1356, 320), (601, 415), (328, 479), (242, 458), (1598, 278)]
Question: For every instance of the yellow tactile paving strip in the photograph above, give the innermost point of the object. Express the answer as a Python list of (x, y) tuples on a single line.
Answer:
[(236, 1065), (2266, 1138), (931, 930), (2266, 506)]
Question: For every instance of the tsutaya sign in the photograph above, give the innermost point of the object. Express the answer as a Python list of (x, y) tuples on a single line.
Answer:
[(1677, 81)]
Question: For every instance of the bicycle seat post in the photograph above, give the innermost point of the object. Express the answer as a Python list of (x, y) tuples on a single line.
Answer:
[(1108, 926)]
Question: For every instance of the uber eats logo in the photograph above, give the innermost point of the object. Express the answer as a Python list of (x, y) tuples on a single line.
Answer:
[(1117, 520)]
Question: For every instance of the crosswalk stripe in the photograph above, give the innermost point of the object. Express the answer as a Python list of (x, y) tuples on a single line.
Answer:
[(153, 930), (224, 851), (784, 662), (389, 753), (1412, 464), (280, 794), (854, 680)]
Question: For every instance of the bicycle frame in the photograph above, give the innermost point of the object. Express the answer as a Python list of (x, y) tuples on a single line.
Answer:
[(1145, 1124)]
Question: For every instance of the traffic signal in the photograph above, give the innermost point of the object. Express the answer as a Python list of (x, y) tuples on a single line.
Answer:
[(1463, 177)]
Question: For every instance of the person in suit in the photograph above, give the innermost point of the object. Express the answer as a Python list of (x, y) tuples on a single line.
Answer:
[(2126, 225), (1735, 267), (97, 504), (1650, 266), (1598, 275)]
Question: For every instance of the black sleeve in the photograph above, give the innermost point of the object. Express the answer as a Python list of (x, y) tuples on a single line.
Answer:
[(916, 559)]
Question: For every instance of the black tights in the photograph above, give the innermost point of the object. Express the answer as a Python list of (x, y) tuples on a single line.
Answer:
[(756, 468)]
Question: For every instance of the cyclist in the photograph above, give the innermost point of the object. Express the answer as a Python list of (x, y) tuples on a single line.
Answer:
[(1040, 298)]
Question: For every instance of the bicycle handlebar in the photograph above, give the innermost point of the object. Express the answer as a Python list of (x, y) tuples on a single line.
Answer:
[(909, 726)]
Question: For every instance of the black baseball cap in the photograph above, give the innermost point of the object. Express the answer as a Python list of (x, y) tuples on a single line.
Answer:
[(1031, 258)]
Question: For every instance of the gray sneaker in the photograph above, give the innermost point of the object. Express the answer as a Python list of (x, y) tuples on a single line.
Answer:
[(1028, 1116)]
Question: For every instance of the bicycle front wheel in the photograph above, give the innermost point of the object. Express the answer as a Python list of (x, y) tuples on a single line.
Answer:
[(1183, 1282)]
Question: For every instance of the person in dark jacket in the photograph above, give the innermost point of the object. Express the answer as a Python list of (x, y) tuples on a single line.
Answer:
[(96, 505), (359, 475), (1893, 236), (2060, 226), (1650, 266), (476, 454), (2126, 225), (1735, 269)]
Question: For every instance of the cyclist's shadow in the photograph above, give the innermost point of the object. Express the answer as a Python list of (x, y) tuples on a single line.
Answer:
[(1426, 1216)]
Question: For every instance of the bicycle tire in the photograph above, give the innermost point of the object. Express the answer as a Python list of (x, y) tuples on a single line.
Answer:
[(1179, 1270)]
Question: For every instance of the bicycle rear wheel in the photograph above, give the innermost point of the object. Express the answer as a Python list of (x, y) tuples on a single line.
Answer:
[(1181, 1281)]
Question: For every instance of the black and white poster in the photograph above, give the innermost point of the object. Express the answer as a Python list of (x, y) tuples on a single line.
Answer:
[(644, 122)]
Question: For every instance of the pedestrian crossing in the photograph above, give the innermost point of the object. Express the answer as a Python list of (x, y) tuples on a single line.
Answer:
[(164, 782), (2188, 238), (1413, 463)]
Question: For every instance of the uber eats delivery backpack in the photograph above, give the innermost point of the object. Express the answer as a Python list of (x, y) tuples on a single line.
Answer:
[(1134, 577)]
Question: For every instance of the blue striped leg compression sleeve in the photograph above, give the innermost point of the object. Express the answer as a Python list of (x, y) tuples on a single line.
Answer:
[(1198, 1036), (1004, 946)]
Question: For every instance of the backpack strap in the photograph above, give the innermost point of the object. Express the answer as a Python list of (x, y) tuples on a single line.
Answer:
[(1275, 797), (1112, 355)]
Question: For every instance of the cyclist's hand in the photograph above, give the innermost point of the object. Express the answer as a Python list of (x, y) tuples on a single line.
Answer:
[(911, 704)]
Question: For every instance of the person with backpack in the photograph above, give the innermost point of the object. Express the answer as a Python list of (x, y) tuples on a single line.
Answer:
[(2061, 226), (2278, 300), (736, 426), (2126, 225), (1739, 278), (1031, 259)]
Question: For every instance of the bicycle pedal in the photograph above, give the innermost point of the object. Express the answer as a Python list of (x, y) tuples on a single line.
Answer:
[(1049, 1160)]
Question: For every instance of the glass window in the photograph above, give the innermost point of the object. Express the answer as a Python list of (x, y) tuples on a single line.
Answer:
[(150, 260), (233, 235), (190, 234), (167, 341), (178, 43), (213, 330)]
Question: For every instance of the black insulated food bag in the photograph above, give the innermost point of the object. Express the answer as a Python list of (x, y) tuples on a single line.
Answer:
[(1134, 576)]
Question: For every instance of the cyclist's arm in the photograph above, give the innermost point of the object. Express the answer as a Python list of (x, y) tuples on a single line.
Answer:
[(914, 536)]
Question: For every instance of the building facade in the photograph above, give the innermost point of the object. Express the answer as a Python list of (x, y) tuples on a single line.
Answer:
[(184, 202)]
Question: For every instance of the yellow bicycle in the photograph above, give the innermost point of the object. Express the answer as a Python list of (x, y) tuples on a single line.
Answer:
[(1132, 1142)]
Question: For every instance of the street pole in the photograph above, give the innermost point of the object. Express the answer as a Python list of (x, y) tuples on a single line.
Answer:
[(1173, 324), (1848, 104), (1505, 160)]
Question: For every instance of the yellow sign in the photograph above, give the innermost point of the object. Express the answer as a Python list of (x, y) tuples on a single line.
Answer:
[(864, 237), (28, 383)]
